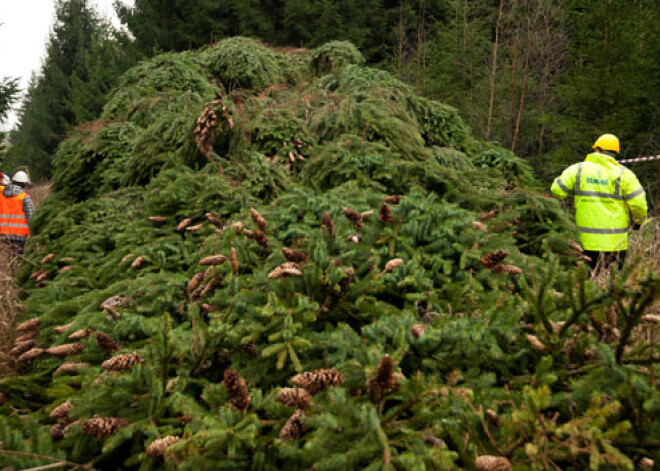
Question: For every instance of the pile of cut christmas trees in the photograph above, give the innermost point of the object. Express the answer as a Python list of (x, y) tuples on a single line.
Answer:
[(270, 260)]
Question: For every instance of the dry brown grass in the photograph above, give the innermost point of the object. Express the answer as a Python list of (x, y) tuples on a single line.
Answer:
[(10, 306)]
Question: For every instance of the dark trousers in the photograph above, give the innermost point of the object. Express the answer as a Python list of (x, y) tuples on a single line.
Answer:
[(605, 259)]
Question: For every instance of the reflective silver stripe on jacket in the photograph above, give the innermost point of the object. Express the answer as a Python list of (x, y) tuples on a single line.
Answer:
[(635, 193), (11, 216), (598, 194), (13, 225), (562, 186), (591, 230)]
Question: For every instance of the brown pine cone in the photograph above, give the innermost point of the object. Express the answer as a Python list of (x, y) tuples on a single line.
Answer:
[(58, 431), (489, 215), (31, 354), (385, 378), (30, 324), (65, 350), (261, 238), (183, 224), (139, 262), (159, 446), (213, 260), (158, 218), (295, 397), (125, 361), (194, 282), (213, 219), (115, 302), (211, 286), (318, 380), (66, 269), (536, 343), (418, 330), (66, 260), (60, 329), (394, 199), (194, 228), (106, 342), (285, 270), (258, 219), (354, 217), (385, 213), (294, 256), (233, 261), (493, 463), (293, 428), (651, 318), (392, 264), (101, 427), (493, 258), (125, 258), (30, 335), (61, 411), (36, 274), (508, 269), (71, 369), (479, 226), (493, 417), (4, 399), (48, 258), (21, 347), (327, 224), (80, 334), (346, 281), (237, 390)]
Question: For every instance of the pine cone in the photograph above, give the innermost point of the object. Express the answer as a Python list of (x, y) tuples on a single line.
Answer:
[(58, 431), (115, 301), (237, 390), (346, 281), (139, 262), (355, 238), (295, 397), (61, 411), (317, 380), (31, 324), (261, 238), (385, 213), (183, 224), (125, 361), (21, 347), (158, 218), (48, 258), (209, 273), (536, 343), (194, 282), (508, 269), (258, 219), (646, 463), (30, 335), (43, 276), (194, 228), (354, 217), (293, 428), (233, 261), (394, 199), (493, 258), (4, 399), (392, 264), (101, 427), (385, 378), (429, 317), (493, 463), (250, 348), (106, 342), (71, 369), (66, 260), (213, 219), (480, 226), (327, 224), (213, 260), (125, 258), (159, 446), (238, 227), (36, 274), (66, 269), (418, 330), (286, 269), (65, 350), (489, 215), (80, 334), (31, 354), (211, 286), (294, 256)]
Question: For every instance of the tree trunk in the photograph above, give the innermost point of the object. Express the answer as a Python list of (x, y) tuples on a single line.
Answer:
[(493, 71), (514, 65), (522, 99)]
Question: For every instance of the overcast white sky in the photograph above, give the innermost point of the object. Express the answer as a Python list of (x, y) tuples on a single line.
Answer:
[(24, 33)]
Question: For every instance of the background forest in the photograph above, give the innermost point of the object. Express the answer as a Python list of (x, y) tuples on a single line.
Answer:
[(540, 77)]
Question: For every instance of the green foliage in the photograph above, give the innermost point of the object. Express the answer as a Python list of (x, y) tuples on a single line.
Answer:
[(335, 147), (334, 55)]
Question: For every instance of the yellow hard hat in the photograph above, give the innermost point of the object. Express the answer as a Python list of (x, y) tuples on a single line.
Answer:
[(607, 142)]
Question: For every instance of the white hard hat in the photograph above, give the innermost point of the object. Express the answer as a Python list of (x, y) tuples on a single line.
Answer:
[(20, 177)]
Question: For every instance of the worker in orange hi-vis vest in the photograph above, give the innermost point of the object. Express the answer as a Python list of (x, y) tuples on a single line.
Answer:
[(16, 209)]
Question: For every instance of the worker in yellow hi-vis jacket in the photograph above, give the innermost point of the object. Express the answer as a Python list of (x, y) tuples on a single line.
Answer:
[(608, 200)]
